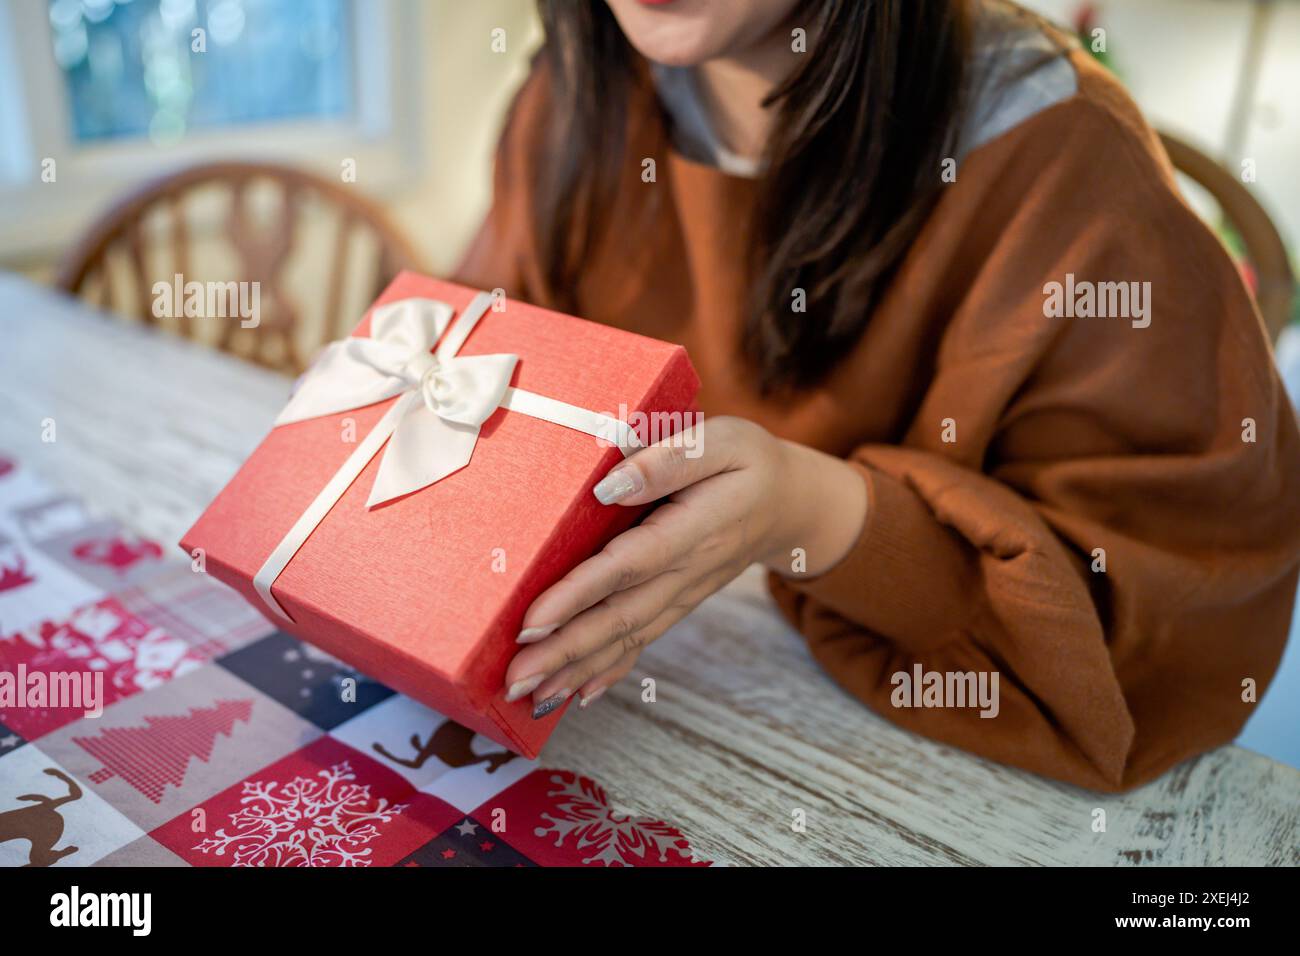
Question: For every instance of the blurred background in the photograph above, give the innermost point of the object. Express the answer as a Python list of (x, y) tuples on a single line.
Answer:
[(330, 142), (400, 101), (413, 92)]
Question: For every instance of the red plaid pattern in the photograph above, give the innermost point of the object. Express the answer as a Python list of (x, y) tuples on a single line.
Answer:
[(190, 605)]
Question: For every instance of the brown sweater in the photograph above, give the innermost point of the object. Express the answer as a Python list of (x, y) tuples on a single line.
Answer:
[(1071, 434)]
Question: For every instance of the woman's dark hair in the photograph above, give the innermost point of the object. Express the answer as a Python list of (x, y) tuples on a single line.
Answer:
[(853, 165)]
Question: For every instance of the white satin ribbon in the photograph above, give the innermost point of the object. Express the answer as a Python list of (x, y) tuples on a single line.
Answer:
[(431, 430)]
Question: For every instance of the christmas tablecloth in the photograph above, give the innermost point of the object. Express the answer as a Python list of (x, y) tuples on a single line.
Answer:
[(224, 742)]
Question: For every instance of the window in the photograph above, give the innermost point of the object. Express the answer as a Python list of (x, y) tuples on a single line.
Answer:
[(164, 67)]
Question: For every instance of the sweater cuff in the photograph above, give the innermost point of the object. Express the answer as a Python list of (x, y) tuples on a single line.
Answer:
[(907, 578)]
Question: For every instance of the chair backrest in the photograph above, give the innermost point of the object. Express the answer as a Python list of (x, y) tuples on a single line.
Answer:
[(1265, 251), (249, 229)]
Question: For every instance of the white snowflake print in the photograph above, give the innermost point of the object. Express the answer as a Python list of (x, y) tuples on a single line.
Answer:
[(615, 839), (318, 822)]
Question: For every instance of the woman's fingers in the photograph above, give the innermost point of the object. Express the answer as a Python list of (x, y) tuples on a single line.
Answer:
[(561, 686), (606, 679), (635, 556), (616, 621), (602, 665), (584, 631), (603, 608), (658, 470)]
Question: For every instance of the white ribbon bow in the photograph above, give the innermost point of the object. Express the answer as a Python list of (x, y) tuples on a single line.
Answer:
[(435, 436)]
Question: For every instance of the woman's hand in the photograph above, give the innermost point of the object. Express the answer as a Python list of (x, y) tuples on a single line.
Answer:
[(736, 495)]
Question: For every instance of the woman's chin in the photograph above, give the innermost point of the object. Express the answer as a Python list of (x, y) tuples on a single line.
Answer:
[(681, 33), (675, 48)]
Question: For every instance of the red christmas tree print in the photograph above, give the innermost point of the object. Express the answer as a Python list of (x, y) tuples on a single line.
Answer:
[(151, 757)]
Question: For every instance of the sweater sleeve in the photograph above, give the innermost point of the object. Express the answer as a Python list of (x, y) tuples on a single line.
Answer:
[(1104, 514)]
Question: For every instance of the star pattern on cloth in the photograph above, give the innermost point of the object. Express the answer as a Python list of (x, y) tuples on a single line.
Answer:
[(468, 828)]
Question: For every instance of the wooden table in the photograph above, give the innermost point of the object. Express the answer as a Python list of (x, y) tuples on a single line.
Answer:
[(746, 729)]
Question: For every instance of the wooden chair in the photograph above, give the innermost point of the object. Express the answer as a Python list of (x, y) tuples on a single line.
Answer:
[(267, 216), (1264, 248)]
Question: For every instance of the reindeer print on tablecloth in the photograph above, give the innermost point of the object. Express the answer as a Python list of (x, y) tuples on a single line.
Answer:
[(450, 743), (40, 824)]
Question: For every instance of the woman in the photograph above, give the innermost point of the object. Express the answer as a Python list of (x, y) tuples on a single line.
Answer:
[(982, 392)]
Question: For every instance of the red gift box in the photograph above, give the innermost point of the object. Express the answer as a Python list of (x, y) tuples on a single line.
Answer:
[(427, 592)]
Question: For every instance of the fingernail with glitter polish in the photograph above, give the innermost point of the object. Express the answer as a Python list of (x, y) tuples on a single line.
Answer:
[(594, 695), (623, 481), (548, 705), (522, 687), (531, 635)]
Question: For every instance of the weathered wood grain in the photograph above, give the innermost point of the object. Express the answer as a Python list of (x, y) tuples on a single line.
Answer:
[(744, 729)]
